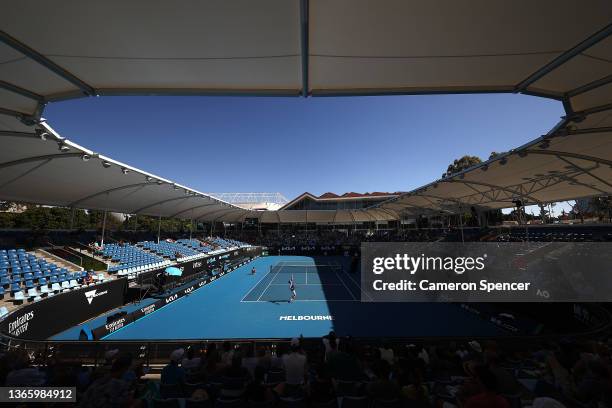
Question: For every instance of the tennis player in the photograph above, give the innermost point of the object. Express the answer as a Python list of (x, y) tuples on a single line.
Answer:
[(292, 289), (253, 271)]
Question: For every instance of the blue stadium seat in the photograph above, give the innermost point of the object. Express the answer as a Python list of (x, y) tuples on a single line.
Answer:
[(18, 297), (15, 287)]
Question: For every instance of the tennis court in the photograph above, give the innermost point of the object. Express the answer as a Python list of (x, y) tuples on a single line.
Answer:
[(313, 283), (243, 305)]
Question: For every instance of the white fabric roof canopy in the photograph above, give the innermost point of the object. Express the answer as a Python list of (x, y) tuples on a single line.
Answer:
[(50, 51)]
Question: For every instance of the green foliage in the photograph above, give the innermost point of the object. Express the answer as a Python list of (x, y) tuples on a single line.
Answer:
[(37, 217), (49, 218), (147, 223), (461, 164), (602, 206)]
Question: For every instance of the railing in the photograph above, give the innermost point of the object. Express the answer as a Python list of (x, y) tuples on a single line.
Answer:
[(88, 255), (157, 352), (66, 255)]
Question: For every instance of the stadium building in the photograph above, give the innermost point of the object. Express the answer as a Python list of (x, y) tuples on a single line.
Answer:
[(226, 309)]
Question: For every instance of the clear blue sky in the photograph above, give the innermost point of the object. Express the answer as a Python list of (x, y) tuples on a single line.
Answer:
[(292, 145)]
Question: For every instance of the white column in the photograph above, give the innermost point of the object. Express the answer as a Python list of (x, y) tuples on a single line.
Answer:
[(103, 229)]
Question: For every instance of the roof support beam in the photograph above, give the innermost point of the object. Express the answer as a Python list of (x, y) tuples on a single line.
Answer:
[(40, 158), (563, 58), (579, 183), (159, 203), (233, 209), (12, 133), (19, 115), (108, 191), (22, 91), (304, 33), (192, 208), (578, 116), (565, 132), (589, 87), (33, 169), (586, 171), (570, 155), (46, 62), (392, 213), (214, 212), (491, 186), (404, 205)]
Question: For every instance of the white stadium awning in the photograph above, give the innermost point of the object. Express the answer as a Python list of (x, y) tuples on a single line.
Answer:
[(52, 51)]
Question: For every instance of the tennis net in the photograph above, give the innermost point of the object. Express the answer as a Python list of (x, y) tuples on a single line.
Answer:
[(305, 268)]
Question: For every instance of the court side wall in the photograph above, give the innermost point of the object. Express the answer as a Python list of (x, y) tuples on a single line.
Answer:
[(41, 320), (110, 327)]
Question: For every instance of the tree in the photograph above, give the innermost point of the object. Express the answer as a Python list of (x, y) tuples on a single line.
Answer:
[(602, 206), (461, 164)]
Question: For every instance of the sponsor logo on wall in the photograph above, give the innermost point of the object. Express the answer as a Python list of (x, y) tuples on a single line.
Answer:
[(148, 309), (20, 325), (90, 295), (171, 298), (116, 324), (306, 317)]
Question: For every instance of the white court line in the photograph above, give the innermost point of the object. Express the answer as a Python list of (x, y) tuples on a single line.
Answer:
[(258, 282), (264, 291), (346, 287), (309, 284), (300, 300), (359, 286)]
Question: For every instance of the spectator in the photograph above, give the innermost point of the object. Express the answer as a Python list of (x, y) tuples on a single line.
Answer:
[(330, 343), (295, 365), (235, 378), (191, 362), (250, 361), (172, 373), (256, 391), (23, 374), (488, 397), (344, 365), (322, 388), (382, 387), (227, 354), (506, 383), (111, 390)]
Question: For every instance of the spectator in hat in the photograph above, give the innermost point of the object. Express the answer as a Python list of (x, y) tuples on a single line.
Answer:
[(111, 390), (296, 369), (173, 373)]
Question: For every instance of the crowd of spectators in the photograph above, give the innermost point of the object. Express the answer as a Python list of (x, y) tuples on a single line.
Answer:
[(341, 238), (337, 373)]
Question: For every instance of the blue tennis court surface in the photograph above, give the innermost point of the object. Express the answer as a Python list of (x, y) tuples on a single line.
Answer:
[(314, 282), (243, 305)]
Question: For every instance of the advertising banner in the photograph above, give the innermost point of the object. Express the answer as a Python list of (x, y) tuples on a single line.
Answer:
[(40, 320)]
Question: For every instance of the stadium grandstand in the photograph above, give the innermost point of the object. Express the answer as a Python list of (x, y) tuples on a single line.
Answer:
[(172, 297), (253, 201)]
